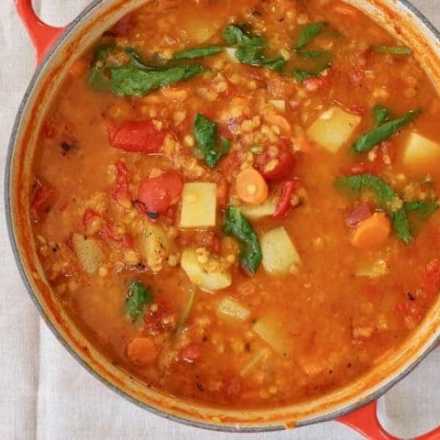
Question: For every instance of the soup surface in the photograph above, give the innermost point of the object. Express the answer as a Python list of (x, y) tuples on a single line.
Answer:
[(236, 200)]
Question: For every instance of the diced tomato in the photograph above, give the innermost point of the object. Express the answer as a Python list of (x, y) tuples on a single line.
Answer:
[(278, 167), (41, 199), (191, 353), (136, 136), (121, 190), (159, 193), (431, 281), (284, 204), (160, 319)]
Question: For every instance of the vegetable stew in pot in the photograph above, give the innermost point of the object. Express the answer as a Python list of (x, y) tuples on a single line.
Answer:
[(236, 201)]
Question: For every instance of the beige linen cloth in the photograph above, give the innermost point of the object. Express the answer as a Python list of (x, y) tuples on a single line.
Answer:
[(46, 395)]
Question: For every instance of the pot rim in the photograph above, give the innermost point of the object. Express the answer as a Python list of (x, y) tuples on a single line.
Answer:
[(406, 6)]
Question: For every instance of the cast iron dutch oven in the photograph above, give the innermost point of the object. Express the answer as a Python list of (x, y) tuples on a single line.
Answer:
[(57, 49)]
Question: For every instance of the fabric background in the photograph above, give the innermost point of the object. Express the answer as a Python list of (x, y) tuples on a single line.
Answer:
[(46, 395)]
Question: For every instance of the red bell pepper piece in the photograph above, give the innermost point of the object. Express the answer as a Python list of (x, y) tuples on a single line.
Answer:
[(158, 193), (285, 162), (287, 191), (136, 136)]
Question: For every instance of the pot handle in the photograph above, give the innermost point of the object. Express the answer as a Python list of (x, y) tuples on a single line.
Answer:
[(42, 35), (366, 422)]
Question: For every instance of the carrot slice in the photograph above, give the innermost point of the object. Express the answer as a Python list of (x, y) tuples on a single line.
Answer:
[(371, 232), (251, 186), (142, 351)]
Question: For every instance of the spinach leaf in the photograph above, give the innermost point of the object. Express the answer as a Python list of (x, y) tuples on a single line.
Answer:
[(208, 143), (381, 114), (131, 81), (198, 52), (379, 134), (138, 298), (401, 225), (383, 192), (301, 75), (390, 201), (393, 50), (250, 48), (321, 61), (238, 35), (308, 33), (136, 58), (238, 226), (98, 76), (422, 208), (135, 78)]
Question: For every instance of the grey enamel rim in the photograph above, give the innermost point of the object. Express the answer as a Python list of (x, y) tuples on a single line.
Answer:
[(95, 5)]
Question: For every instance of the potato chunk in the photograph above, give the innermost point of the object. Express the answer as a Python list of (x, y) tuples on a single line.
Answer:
[(333, 129), (199, 275), (89, 253), (270, 329), (154, 246), (230, 308), (420, 152), (279, 253), (199, 205)]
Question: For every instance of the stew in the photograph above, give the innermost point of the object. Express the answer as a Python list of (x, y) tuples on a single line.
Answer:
[(237, 201)]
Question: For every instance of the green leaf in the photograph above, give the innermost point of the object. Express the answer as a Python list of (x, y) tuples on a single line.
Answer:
[(422, 208), (250, 48), (208, 143), (132, 81), (381, 114), (390, 201), (308, 33), (238, 226), (136, 59), (198, 52), (379, 134), (138, 298), (383, 192), (301, 75), (322, 61), (393, 50), (238, 35), (99, 78), (312, 53), (276, 64), (401, 225), (134, 78)]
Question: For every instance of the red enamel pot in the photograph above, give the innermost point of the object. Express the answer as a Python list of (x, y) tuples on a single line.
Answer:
[(353, 405)]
